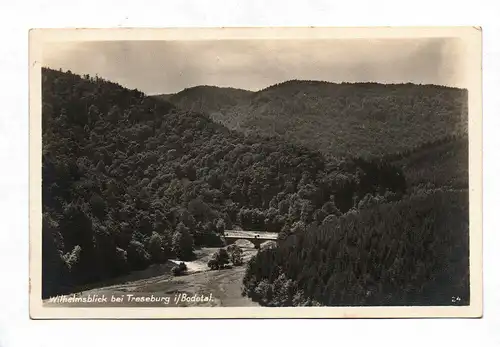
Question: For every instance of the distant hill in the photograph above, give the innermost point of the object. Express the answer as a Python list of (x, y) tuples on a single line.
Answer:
[(358, 119), (208, 99)]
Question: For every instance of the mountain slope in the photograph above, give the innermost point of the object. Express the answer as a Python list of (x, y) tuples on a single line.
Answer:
[(414, 252), (207, 99), (126, 176), (441, 163), (359, 119)]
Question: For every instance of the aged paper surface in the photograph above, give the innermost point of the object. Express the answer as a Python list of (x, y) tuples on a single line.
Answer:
[(201, 291)]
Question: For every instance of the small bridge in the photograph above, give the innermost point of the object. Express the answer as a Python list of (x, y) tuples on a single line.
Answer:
[(256, 237)]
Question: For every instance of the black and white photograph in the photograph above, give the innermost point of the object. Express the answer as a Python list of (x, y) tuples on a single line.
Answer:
[(255, 173)]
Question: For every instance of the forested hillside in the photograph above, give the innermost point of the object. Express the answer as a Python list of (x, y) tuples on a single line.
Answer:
[(130, 180), (411, 252), (359, 119), (440, 163), (208, 99)]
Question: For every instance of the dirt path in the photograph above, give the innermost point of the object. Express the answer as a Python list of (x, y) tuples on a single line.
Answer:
[(224, 285), (227, 286)]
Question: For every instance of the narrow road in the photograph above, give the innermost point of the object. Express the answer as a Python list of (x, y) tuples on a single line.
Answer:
[(224, 285)]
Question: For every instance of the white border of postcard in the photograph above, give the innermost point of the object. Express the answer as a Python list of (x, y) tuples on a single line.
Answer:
[(472, 70)]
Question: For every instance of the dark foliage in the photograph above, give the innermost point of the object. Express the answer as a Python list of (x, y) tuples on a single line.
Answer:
[(182, 242), (179, 270), (235, 254), (440, 163), (129, 180), (357, 119), (410, 252), (206, 98), (219, 259)]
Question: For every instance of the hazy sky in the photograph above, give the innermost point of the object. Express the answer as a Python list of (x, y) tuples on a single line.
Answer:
[(169, 66)]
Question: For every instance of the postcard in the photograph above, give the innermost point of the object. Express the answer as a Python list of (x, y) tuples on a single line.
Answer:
[(255, 173)]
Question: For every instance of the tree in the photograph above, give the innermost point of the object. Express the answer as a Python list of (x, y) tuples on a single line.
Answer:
[(72, 258), (98, 205), (155, 248), (180, 269), (330, 219), (54, 266), (298, 227), (121, 260), (220, 226), (235, 254), (306, 212), (137, 255), (182, 242), (76, 226), (219, 259), (330, 208)]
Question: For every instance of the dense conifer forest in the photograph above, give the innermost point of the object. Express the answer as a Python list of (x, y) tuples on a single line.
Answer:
[(130, 180), (408, 253), (338, 119)]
